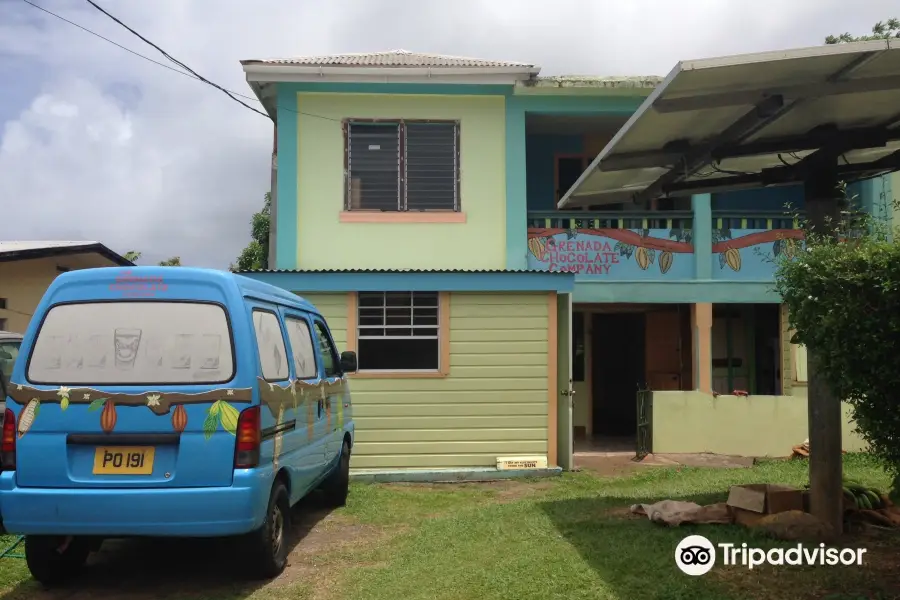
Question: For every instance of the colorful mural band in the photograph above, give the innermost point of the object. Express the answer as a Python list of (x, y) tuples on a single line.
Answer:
[(750, 254), (633, 253), (607, 251)]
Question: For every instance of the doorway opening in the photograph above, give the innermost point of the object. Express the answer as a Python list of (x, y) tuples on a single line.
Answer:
[(747, 349), (617, 350)]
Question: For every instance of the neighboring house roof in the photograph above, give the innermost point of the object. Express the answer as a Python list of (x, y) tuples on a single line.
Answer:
[(392, 58), (10, 251)]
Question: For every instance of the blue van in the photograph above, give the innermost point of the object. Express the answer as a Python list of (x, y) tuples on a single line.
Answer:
[(170, 401)]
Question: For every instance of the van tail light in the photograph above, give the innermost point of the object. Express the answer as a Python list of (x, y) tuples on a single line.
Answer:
[(249, 438), (8, 444)]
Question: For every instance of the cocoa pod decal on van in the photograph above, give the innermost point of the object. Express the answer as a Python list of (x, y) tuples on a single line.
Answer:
[(157, 402)]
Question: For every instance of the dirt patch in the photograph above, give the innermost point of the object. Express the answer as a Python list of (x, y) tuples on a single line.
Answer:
[(214, 569), (607, 465), (503, 490)]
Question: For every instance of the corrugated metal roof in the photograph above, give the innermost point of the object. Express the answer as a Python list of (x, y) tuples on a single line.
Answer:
[(391, 58), (30, 245), (21, 250), (386, 271)]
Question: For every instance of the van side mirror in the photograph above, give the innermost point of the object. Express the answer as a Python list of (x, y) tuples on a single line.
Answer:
[(348, 361)]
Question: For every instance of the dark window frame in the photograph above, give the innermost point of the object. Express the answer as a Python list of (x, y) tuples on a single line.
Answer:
[(402, 176), (381, 334), (323, 336)]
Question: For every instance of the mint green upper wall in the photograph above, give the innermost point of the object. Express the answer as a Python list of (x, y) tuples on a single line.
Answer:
[(323, 242)]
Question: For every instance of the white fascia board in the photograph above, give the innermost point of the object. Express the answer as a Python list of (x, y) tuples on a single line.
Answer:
[(301, 74)]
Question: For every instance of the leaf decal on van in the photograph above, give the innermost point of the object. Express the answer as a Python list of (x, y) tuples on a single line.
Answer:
[(210, 423), (96, 404), (228, 417), (216, 406)]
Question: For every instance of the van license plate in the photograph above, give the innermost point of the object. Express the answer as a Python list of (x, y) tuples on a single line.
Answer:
[(123, 460)]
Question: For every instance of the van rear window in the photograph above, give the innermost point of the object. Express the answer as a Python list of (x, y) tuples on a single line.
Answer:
[(132, 343)]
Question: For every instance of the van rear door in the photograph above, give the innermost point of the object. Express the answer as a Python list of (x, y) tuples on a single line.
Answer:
[(130, 393)]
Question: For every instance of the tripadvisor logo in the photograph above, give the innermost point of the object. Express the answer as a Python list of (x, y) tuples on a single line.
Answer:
[(696, 555)]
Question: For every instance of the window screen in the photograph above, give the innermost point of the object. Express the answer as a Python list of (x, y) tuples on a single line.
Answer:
[(403, 166)]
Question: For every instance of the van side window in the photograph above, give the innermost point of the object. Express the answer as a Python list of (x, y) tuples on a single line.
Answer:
[(301, 347), (272, 352), (329, 354)]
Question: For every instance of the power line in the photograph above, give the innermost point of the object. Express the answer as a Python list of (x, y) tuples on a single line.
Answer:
[(161, 64), (176, 61)]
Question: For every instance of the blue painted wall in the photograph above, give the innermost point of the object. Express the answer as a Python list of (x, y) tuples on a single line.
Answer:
[(768, 199), (540, 151), (517, 161)]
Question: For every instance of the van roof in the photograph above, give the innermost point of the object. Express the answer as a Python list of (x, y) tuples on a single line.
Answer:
[(245, 285)]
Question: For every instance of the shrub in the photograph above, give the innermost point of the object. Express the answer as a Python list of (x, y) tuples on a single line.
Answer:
[(844, 305)]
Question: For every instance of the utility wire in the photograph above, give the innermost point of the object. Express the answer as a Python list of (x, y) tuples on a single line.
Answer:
[(176, 61), (161, 64)]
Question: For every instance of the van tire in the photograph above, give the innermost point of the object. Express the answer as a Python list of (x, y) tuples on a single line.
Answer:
[(49, 565), (268, 545), (337, 486)]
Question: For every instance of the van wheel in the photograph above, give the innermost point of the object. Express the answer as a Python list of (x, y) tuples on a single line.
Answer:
[(268, 545), (54, 559), (337, 486)]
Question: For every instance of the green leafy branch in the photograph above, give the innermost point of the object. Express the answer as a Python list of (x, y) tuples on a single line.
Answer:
[(97, 404)]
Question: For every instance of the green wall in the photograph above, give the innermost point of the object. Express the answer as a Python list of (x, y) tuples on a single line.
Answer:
[(325, 243), (493, 403), (694, 422)]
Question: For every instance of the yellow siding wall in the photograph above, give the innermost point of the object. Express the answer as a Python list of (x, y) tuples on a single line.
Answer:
[(23, 284), (493, 403)]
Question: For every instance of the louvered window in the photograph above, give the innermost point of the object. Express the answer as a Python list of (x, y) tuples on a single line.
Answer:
[(402, 166), (398, 331)]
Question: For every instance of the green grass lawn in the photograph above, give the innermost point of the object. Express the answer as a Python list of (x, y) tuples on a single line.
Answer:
[(570, 537)]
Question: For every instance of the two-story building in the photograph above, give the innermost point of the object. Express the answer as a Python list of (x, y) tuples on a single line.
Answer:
[(415, 205)]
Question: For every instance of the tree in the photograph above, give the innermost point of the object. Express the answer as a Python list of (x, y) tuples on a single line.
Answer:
[(880, 31), (843, 299), (134, 256), (256, 254)]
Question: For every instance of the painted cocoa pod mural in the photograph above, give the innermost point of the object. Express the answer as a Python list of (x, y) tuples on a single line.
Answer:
[(665, 262), (733, 259), (538, 247), (108, 416), (179, 418), (28, 415)]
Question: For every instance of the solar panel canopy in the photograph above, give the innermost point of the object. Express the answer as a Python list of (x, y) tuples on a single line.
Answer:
[(754, 120)]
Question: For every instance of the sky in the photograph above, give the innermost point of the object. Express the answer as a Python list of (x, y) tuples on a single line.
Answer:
[(98, 144)]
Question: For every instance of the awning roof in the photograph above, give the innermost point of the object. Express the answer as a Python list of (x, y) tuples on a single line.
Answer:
[(747, 121)]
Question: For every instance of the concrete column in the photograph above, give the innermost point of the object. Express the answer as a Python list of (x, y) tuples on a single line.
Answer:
[(701, 205), (701, 326)]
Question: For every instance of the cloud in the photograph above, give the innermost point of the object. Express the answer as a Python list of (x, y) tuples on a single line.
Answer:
[(98, 144)]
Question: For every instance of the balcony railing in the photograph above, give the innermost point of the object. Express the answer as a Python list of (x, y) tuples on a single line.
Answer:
[(610, 220), (758, 220)]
